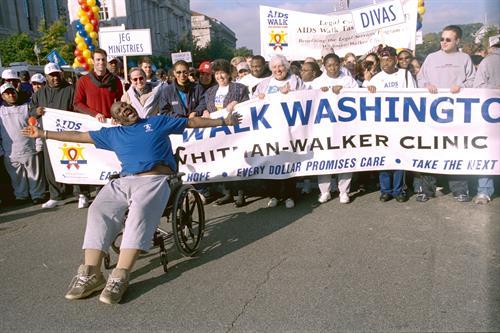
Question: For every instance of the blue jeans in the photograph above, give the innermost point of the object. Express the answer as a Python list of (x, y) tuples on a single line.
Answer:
[(394, 189), (485, 185)]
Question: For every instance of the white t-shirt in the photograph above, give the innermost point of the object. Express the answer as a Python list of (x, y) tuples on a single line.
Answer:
[(220, 95), (342, 80), (275, 85), (396, 80)]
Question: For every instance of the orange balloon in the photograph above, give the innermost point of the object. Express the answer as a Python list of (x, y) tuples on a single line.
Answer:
[(32, 121)]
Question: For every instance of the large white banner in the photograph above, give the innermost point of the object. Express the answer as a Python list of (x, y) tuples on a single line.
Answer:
[(312, 132), (78, 163), (298, 35)]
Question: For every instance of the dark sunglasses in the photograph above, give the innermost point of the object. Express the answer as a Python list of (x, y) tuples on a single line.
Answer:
[(447, 40), (140, 78)]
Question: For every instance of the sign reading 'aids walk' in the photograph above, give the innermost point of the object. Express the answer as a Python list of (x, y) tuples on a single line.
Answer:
[(298, 35)]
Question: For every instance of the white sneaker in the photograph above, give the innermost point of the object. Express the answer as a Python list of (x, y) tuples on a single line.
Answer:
[(289, 203), (324, 197), (344, 198), (273, 202), (52, 203), (83, 201)]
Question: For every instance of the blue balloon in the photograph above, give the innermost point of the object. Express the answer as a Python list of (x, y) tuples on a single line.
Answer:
[(419, 25), (91, 47), (82, 33), (88, 40), (98, 3), (79, 26)]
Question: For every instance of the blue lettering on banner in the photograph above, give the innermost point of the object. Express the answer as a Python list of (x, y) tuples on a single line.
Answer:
[(259, 117), (344, 108), (324, 105), (447, 112), (378, 16), (485, 110), (106, 174), (425, 164), (198, 176), (297, 109), (363, 108), (63, 125)]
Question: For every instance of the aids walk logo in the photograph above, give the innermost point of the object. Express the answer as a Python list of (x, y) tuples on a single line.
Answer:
[(277, 23), (72, 156)]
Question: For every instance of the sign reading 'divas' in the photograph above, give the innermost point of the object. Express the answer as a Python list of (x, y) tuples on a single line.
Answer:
[(126, 42), (378, 16)]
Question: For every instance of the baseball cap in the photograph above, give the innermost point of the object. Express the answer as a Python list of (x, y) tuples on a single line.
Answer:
[(387, 51), (51, 68), (38, 78), (111, 59), (205, 67), (9, 74), (243, 66), (6, 86)]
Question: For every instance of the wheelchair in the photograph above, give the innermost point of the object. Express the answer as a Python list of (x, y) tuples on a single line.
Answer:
[(186, 215)]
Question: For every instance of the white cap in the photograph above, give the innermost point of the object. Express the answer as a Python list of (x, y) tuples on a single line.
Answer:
[(242, 66), (6, 86), (51, 68), (38, 78), (9, 74)]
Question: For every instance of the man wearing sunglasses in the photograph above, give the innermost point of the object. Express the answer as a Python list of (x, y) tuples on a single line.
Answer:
[(450, 69), (142, 95)]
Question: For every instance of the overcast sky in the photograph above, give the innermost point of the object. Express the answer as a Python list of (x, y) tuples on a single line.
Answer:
[(242, 16)]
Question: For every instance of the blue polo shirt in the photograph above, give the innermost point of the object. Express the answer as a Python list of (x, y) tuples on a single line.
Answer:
[(143, 145)]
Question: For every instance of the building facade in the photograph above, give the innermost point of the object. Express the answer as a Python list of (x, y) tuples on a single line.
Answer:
[(169, 20), (26, 15), (206, 29)]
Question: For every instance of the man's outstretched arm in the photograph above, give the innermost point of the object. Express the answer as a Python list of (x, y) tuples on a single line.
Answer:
[(231, 120), (70, 136)]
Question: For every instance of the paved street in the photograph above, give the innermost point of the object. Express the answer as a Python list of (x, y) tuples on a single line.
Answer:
[(366, 266)]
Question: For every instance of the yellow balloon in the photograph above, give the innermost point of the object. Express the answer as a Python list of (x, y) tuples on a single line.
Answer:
[(84, 20), (81, 46), (78, 40), (95, 9), (90, 62), (86, 54), (90, 3), (82, 13), (421, 10), (93, 34), (89, 27), (420, 3), (75, 65)]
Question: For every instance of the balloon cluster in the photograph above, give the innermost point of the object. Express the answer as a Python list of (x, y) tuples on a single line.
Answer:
[(421, 12), (87, 28)]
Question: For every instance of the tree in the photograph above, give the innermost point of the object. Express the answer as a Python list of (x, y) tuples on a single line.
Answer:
[(242, 52), (52, 37), (17, 48)]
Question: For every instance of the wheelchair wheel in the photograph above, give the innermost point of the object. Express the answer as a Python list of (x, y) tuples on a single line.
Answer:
[(188, 220)]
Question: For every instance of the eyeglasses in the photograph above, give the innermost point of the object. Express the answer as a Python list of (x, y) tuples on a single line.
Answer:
[(140, 78), (182, 72), (447, 40)]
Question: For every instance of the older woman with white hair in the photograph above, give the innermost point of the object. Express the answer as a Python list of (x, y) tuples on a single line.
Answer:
[(280, 81), (142, 95)]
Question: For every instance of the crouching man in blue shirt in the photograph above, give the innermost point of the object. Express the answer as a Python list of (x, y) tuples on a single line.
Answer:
[(145, 152)]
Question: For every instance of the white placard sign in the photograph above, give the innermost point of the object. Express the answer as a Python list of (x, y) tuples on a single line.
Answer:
[(186, 56), (298, 35), (126, 42), (378, 16)]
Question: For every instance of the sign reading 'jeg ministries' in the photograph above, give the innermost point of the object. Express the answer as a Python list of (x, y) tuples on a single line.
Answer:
[(126, 42)]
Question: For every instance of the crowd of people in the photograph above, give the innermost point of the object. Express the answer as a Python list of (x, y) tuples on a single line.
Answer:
[(185, 91), (187, 96)]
